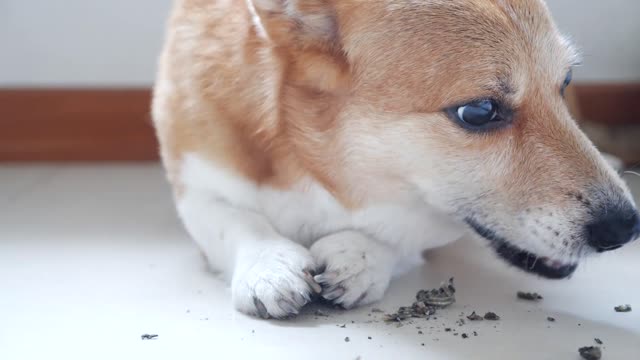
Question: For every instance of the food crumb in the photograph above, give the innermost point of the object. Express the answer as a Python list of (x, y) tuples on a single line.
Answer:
[(474, 317), (598, 341), (464, 336), (551, 319), (623, 308), (422, 344), (426, 304), (447, 329), (148, 336), (369, 337), (420, 332), (530, 296), (491, 316), (590, 352), (347, 339), (475, 333)]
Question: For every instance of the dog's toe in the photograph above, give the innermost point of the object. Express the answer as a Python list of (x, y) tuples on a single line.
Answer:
[(277, 286)]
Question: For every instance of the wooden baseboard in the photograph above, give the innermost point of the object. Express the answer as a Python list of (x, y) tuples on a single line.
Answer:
[(115, 124), (609, 104), (76, 125)]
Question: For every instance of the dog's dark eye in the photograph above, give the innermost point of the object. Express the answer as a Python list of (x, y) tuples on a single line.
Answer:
[(566, 83), (478, 114)]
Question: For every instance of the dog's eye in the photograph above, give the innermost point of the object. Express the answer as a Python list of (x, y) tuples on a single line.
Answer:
[(566, 83), (478, 114)]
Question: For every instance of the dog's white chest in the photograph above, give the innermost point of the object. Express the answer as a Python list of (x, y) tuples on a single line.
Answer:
[(307, 212)]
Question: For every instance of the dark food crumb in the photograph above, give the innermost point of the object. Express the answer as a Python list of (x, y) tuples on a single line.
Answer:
[(464, 336), (552, 319), (590, 352), (369, 337), (420, 332), (474, 317), (148, 336), (491, 316), (623, 308), (598, 341), (529, 296), (475, 333), (342, 326), (447, 329), (347, 339), (426, 304), (422, 344), (455, 334)]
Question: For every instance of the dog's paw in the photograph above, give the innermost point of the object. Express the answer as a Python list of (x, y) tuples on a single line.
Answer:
[(356, 270), (275, 282)]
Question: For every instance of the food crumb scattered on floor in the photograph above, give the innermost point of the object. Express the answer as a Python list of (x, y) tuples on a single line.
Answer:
[(491, 316), (474, 317), (148, 336), (551, 319), (598, 341), (590, 352), (623, 308), (530, 296)]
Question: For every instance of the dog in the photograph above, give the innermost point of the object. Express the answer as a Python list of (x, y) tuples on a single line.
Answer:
[(315, 145)]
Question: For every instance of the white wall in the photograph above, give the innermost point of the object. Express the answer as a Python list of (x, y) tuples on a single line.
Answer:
[(607, 32), (115, 42), (80, 42)]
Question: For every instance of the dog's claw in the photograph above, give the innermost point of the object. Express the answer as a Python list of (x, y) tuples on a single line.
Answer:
[(301, 299), (334, 294), (309, 278), (262, 310), (288, 307), (325, 277)]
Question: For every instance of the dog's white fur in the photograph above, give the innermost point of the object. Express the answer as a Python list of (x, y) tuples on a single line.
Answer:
[(264, 237)]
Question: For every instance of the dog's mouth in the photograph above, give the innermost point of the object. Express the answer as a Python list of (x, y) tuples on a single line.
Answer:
[(523, 259)]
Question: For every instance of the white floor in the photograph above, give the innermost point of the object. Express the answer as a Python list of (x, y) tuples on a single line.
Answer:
[(92, 257)]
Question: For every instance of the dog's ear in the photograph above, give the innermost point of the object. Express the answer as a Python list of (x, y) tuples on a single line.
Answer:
[(301, 22)]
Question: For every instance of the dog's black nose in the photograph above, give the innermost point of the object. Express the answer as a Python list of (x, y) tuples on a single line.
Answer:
[(613, 227)]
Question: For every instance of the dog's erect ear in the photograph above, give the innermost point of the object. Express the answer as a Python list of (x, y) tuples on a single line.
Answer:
[(302, 21)]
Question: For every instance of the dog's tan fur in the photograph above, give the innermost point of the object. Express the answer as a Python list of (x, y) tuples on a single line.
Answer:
[(273, 109), (352, 95)]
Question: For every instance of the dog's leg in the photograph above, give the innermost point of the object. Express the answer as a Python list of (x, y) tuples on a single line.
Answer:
[(271, 276), (357, 269)]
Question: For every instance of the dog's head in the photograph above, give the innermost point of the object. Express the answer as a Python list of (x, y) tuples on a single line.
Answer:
[(458, 102)]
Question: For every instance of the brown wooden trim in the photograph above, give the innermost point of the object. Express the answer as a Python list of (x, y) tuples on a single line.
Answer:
[(114, 124), (611, 104), (76, 125)]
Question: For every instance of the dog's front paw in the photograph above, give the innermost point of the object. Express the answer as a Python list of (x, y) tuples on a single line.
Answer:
[(274, 282), (357, 270)]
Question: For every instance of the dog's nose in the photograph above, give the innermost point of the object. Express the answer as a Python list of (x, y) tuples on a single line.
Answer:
[(613, 228)]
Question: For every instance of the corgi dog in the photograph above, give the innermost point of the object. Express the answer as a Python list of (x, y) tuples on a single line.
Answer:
[(313, 146)]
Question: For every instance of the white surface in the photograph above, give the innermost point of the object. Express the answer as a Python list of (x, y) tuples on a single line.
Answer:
[(116, 42), (92, 257)]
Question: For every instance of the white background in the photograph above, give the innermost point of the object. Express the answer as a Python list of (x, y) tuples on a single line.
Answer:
[(116, 42)]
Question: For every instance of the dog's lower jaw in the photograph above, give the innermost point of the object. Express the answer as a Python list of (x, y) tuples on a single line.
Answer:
[(522, 259)]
